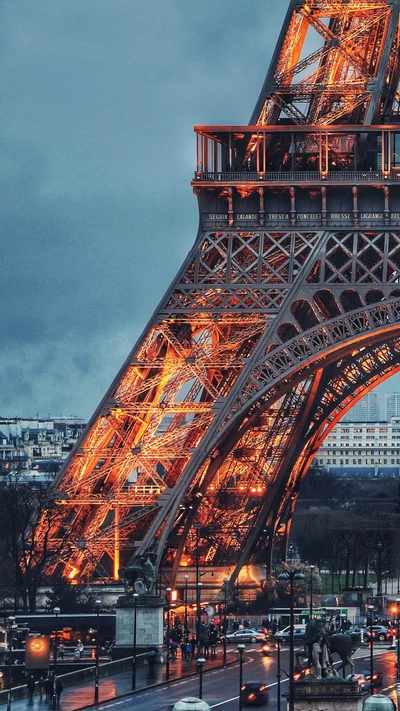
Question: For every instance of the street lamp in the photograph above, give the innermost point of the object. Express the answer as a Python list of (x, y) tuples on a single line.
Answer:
[(398, 651), (278, 675), (198, 611), (311, 589), (97, 605), (200, 664), (226, 581), (135, 598), (10, 621), (371, 649), (56, 611), (167, 592), (379, 548), (186, 635), (291, 575), (241, 648)]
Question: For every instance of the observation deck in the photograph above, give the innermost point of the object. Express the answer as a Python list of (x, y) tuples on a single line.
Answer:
[(269, 176)]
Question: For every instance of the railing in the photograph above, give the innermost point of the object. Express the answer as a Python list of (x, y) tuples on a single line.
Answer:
[(303, 176)]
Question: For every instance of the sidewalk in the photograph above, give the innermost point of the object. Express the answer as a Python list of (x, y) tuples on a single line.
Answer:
[(82, 695)]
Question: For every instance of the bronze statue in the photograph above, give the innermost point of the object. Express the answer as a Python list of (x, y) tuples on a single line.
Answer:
[(140, 577)]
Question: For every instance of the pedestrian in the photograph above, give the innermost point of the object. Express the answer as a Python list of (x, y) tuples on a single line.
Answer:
[(49, 687), (193, 645), (30, 682), (188, 652), (61, 650), (59, 688), (183, 648), (42, 687), (80, 647), (151, 660)]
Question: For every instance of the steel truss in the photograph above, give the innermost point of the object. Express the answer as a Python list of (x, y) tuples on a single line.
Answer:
[(267, 336)]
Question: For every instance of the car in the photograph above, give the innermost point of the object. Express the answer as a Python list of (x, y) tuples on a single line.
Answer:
[(361, 680), (380, 633), (254, 693), (247, 635), (299, 633), (377, 677)]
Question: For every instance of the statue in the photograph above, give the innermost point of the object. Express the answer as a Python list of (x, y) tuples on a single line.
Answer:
[(320, 645), (140, 577)]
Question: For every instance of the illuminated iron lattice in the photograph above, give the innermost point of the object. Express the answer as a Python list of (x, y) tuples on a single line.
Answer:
[(285, 312)]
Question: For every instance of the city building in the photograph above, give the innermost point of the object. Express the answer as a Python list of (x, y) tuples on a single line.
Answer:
[(392, 406), (362, 449), (365, 410), (36, 445)]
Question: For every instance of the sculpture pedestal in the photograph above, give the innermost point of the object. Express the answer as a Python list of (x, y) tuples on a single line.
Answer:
[(326, 695), (149, 626)]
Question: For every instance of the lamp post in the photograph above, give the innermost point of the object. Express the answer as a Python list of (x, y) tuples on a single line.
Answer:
[(97, 605), (398, 651), (226, 581), (311, 589), (278, 675), (240, 648), (10, 621), (135, 599), (56, 611), (291, 576), (186, 631), (371, 649), (379, 548), (200, 664), (167, 592), (198, 611)]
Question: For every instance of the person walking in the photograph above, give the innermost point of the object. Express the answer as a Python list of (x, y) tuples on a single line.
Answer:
[(42, 687), (30, 682), (59, 689), (49, 687), (61, 651), (151, 660)]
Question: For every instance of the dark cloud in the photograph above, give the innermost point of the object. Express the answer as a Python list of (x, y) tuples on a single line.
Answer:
[(98, 103)]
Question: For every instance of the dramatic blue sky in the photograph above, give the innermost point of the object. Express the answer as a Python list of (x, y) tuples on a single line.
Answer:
[(96, 152)]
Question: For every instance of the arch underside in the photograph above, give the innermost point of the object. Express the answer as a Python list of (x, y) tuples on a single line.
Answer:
[(222, 404)]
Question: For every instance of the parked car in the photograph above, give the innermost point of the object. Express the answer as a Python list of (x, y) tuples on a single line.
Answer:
[(254, 693), (245, 636), (299, 633), (377, 677)]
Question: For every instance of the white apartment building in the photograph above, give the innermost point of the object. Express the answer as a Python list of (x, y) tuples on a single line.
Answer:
[(362, 449)]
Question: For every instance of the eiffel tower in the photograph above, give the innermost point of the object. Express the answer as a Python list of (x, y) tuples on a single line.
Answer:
[(285, 312)]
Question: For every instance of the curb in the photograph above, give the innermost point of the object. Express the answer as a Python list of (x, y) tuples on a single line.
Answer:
[(153, 686)]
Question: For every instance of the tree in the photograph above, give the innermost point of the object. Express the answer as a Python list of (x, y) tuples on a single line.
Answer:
[(68, 597), (27, 515)]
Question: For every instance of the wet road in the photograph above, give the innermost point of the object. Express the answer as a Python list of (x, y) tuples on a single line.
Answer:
[(221, 687)]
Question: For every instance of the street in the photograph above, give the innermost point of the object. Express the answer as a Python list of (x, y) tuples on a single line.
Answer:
[(221, 687)]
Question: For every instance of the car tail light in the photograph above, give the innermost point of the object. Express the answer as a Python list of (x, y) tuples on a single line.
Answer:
[(243, 688), (263, 688), (251, 697)]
